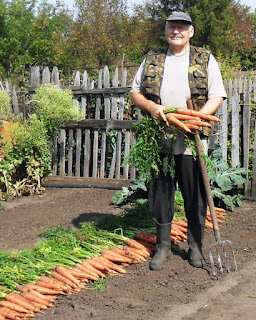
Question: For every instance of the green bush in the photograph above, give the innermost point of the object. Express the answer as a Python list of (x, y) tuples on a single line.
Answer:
[(25, 159), (5, 106), (54, 106)]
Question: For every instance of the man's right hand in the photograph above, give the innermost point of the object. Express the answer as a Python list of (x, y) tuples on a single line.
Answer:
[(157, 112)]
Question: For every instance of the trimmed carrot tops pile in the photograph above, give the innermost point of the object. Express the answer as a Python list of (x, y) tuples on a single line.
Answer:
[(56, 267)]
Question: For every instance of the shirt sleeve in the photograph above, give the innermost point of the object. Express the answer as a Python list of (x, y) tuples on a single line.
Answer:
[(138, 78), (215, 83)]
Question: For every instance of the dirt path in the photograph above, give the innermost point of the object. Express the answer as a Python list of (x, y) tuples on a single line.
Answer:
[(177, 292)]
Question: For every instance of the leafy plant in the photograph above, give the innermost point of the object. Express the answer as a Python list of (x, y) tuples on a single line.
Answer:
[(225, 181), (5, 106), (25, 158), (54, 106)]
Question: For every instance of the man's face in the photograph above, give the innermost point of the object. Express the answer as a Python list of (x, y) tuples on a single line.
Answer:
[(178, 34)]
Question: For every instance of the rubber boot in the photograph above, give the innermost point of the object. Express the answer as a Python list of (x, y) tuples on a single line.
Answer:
[(163, 247), (195, 243)]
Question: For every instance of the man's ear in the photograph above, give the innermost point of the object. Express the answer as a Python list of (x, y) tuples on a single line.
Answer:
[(191, 31)]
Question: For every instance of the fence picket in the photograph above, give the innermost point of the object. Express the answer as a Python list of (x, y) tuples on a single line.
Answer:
[(46, 76), (235, 127), (84, 98), (78, 151), (70, 152), (55, 78), (62, 151), (246, 131), (254, 163)]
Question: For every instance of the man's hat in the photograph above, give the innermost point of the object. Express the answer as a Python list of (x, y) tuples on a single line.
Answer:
[(179, 16)]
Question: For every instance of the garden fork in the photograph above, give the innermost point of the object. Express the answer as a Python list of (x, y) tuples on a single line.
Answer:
[(226, 259)]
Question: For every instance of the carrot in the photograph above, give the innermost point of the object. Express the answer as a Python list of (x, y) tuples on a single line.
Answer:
[(42, 289), (200, 123), (2, 317), (192, 126), (10, 314), (135, 244), (115, 257), (21, 301), (181, 223), (195, 113), (183, 229), (136, 254), (111, 265), (65, 273), (208, 224), (177, 122), (36, 293), (184, 116), (65, 280), (148, 246), (147, 237), (80, 274), (34, 298), (15, 307), (50, 286), (125, 254), (89, 269), (97, 264)]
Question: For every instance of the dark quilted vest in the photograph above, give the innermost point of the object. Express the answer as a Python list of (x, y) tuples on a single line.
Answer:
[(197, 75)]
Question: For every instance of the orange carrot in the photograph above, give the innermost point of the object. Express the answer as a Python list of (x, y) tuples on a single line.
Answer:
[(97, 264), (21, 301), (115, 257), (184, 116), (177, 122), (89, 269), (135, 244), (65, 273), (126, 254), (181, 223), (149, 247), (65, 280), (50, 286), (42, 289), (78, 273), (15, 307), (135, 252), (192, 126), (36, 293), (10, 314), (34, 298), (199, 123), (2, 317), (147, 237), (195, 113), (111, 265)]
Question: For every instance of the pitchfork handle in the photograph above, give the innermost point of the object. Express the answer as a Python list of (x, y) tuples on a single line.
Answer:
[(206, 181)]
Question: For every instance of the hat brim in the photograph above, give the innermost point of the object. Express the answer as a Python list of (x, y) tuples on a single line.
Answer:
[(179, 19)]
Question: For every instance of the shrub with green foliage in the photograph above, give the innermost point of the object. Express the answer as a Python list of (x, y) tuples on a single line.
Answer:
[(54, 106), (24, 159), (5, 106)]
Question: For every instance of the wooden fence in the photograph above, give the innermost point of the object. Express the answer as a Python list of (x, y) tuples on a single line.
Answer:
[(96, 146)]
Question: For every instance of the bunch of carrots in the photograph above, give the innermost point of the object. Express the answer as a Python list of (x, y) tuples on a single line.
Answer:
[(188, 120), (31, 298)]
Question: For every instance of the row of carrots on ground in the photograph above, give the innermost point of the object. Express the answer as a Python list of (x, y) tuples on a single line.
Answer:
[(41, 295)]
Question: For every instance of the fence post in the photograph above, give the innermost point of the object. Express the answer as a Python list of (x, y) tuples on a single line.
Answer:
[(34, 76), (235, 126)]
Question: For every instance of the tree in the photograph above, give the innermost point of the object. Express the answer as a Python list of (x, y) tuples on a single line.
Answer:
[(99, 35)]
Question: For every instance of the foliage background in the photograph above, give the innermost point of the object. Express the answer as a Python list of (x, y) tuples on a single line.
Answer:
[(105, 32)]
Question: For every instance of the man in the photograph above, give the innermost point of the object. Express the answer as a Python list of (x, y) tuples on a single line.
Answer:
[(168, 78)]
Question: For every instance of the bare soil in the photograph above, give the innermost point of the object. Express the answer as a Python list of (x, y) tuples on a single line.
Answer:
[(179, 291)]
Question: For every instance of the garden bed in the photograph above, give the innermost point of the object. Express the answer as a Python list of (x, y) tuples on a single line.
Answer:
[(139, 294)]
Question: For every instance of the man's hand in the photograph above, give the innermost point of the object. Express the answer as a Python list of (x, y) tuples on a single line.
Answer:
[(157, 112)]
